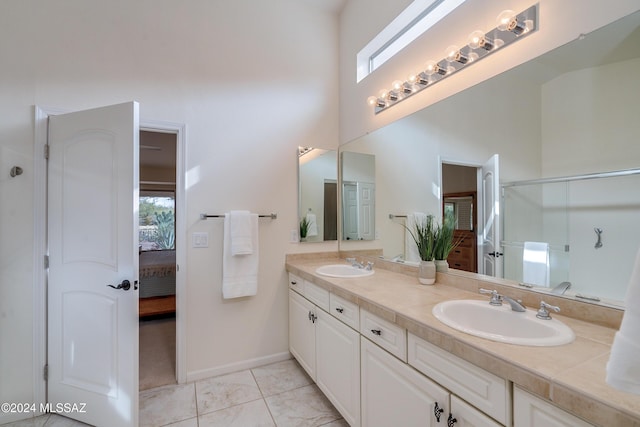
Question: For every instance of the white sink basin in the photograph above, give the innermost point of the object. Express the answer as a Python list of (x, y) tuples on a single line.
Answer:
[(502, 324), (343, 271)]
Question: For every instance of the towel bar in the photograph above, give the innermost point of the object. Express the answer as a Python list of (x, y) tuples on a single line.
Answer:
[(205, 216)]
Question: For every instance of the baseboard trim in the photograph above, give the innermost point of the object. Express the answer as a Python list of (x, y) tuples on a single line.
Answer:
[(237, 366)]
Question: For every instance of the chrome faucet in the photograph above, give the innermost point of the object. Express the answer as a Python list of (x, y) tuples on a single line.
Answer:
[(561, 288), (516, 305), (543, 312), (369, 266), (496, 299), (355, 263)]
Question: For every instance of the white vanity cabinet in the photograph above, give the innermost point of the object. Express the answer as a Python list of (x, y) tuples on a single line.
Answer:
[(326, 348), (480, 388), (302, 332), (532, 411), (338, 365), (395, 394)]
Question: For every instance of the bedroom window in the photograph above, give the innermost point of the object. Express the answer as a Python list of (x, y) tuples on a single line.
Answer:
[(417, 18), (157, 227)]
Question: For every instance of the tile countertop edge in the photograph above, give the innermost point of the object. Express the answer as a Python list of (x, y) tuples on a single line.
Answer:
[(590, 408)]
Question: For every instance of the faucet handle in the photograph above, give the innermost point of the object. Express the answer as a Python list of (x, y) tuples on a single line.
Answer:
[(369, 265), (496, 298), (543, 312)]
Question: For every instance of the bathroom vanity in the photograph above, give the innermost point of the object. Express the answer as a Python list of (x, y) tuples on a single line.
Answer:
[(374, 348)]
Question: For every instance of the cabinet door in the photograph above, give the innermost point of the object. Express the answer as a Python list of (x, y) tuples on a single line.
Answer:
[(394, 394), (531, 411), (465, 415), (302, 332), (338, 365)]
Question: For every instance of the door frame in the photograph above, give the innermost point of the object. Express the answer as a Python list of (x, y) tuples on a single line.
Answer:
[(40, 175), (479, 195)]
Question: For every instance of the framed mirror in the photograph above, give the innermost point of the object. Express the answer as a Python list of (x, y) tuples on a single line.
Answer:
[(569, 112), (318, 194)]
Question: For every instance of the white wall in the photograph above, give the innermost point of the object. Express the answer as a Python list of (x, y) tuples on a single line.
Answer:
[(251, 80), (558, 25)]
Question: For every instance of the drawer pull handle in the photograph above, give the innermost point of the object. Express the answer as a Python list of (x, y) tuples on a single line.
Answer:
[(437, 411), (339, 310), (293, 282), (312, 317), (376, 332), (451, 421)]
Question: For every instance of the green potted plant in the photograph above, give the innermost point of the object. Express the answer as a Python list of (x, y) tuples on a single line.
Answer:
[(424, 234), (304, 228), (444, 243)]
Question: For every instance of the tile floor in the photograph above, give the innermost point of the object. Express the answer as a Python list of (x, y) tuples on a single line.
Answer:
[(280, 394)]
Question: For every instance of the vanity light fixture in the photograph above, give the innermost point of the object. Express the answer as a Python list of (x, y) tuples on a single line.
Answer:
[(510, 28)]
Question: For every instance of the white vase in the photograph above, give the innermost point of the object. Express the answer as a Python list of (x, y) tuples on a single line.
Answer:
[(442, 266), (427, 272)]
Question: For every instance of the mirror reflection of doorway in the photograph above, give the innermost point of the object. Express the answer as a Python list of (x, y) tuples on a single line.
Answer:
[(459, 187)]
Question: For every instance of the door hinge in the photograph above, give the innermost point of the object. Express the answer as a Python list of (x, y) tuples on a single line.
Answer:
[(46, 372), (46, 261), (46, 151)]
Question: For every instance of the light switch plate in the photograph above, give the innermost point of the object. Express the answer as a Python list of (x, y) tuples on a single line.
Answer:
[(200, 239)]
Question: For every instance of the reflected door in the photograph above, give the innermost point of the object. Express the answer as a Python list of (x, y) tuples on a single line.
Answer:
[(490, 260), (350, 211), (92, 224)]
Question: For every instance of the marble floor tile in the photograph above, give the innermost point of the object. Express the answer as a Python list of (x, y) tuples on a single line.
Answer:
[(281, 376), (302, 407), (166, 405), (60, 421), (191, 422), (254, 414), (225, 391), (338, 423), (29, 422)]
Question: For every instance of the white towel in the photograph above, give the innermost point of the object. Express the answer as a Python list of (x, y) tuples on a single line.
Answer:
[(623, 369), (241, 232), (535, 264), (312, 229), (239, 273), (411, 253)]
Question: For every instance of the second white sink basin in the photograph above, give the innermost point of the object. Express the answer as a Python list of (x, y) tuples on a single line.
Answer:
[(502, 324), (343, 271)]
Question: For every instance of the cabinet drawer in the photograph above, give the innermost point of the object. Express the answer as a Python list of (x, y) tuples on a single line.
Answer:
[(484, 390), (344, 310), (317, 295), (387, 335), (296, 283)]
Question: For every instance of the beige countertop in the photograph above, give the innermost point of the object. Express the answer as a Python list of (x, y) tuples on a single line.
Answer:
[(572, 376)]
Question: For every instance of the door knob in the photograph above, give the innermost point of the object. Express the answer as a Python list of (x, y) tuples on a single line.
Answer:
[(125, 285)]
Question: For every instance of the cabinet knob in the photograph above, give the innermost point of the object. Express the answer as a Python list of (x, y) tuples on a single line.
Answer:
[(437, 411), (376, 332), (451, 421)]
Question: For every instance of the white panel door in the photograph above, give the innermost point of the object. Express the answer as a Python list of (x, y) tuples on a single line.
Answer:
[(302, 332), (367, 208), (490, 261), (93, 238), (350, 211), (394, 394), (338, 365)]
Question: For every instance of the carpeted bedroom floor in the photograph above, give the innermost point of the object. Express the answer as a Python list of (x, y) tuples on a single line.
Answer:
[(157, 352)]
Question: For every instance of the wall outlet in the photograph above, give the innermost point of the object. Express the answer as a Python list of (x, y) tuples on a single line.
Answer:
[(200, 239), (293, 238)]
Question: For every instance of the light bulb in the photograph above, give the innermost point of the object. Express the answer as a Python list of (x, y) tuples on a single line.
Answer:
[(454, 55), (383, 94), (372, 101), (504, 19), (397, 85), (508, 21), (451, 53), (412, 78), (431, 68)]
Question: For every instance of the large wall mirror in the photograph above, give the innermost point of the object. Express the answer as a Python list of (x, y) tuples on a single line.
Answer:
[(318, 194), (570, 112)]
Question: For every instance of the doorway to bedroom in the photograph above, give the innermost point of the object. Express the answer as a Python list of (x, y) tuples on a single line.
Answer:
[(157, 259)]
